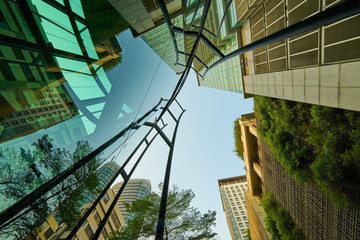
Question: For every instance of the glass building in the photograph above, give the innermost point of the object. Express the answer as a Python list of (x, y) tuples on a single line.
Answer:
[(81, 86)]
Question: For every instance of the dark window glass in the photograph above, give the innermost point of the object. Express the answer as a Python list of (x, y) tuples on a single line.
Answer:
[(6, 72), (48, 233), (27, 72), (26, 112), (88, 231), (97, 218), (33, 111), (104, 233), (23, 120), (18, 114), (106, 198), (15, 122), (18, 54), (3, 22)]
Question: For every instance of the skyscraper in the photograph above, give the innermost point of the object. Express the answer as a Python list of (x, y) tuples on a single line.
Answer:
[(318, 67), (234, 205), (311, 211), (134, 189)]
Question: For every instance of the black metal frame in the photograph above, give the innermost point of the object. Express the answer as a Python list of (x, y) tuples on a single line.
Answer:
[(333, 14)]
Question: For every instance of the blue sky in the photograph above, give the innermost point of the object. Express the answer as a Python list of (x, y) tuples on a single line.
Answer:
[(204, 146), (203, 149)]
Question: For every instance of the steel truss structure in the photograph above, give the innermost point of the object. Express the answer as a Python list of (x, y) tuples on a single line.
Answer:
[(340, 11)]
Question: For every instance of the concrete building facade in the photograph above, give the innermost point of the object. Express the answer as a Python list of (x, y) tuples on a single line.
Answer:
[(310, 210), (51, 229), (317, 67), (234, 205)]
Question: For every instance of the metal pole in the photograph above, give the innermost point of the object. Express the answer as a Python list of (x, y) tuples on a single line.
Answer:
[(340, 11), (162, 213)]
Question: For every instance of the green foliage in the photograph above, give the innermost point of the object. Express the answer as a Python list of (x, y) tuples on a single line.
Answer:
[(182, 220), (278, 221), (248, 234), (112, 63), (239, 148), (104, 20), (313, 143), (25, 170)]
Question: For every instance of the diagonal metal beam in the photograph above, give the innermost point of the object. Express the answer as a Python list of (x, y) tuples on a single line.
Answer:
[(165, 12), (336, 13), (223, 18), (212, 46)]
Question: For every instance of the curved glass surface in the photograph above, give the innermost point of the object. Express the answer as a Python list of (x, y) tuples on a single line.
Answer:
[(72, 77)]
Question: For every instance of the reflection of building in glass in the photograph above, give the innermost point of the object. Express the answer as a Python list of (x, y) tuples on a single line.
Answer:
[(221, 30), (104, 174), (147, 20), (234, 205), (50, 229), (33, 94), (134, 189), (318, 67), (313, 213)]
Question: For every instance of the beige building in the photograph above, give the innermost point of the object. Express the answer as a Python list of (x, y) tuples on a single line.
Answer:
[(50, 229), (134, 189), (313, 213), (234, 205), (253, 165), (318, 67)]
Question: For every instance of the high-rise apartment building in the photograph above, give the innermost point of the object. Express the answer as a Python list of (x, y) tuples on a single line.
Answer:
[(318, 67), (234, 205), (134, 189), (51, 229), (310, 210)]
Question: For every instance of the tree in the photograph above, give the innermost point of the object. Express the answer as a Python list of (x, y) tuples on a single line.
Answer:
[(314, 144), (104, 20), (182, 220), (239, 148), (25, 170), (278, 221)]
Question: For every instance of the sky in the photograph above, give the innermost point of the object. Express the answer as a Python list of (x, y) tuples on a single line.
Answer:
[(204, 144), (203, 149)]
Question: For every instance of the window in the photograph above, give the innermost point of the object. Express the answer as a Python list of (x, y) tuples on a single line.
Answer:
[(22, 120), (247, 224), (48, 233), (3, 22), (26, 112), (18, 114), (27, 72), (242, 198), (106, 198), (243, 231), (236, 214), (234, 208), (15, 122), (245, 218), (33, 111), (104, 232), (6, 71), (241, 224), (244, 202), (232, 204), (236, 199), (242, 213), (18, 54), (97, 218), (115, 220), (238, 218), (89, 232)]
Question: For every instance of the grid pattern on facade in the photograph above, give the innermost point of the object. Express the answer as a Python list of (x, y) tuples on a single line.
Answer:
[(313, 213), (333, 43), (233, 198)]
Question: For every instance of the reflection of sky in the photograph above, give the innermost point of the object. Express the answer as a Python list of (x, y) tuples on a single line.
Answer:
[(108, 103)]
